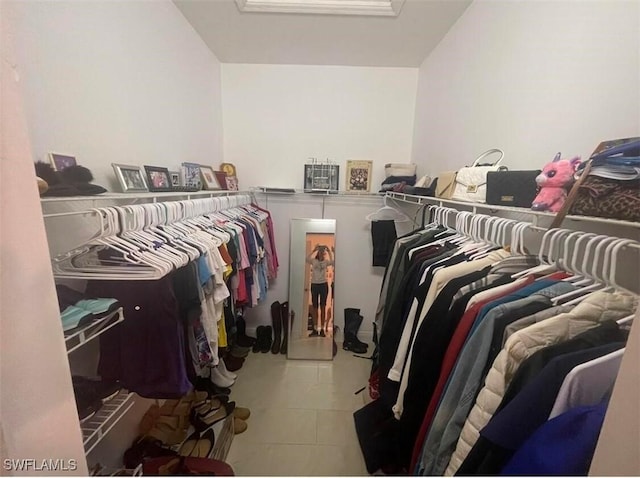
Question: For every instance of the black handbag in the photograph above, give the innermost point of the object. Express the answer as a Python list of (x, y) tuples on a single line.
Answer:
[(512, 188)]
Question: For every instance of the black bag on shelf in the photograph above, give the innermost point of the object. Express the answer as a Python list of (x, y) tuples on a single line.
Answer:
[(512, 188)]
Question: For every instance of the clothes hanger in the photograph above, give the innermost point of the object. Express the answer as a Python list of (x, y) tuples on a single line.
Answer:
[(387, 213), (593, 280), (544, 266)]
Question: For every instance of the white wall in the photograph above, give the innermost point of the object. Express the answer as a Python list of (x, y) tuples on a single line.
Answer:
[(530, 77), (37, 406), (357, 282), (123, 82), (277, 116)]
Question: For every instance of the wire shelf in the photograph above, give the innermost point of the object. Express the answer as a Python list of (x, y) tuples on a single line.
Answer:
[(426, 200), (95, 428), (76, 338)]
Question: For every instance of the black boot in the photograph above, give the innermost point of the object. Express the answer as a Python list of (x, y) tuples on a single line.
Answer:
[(257, 345), (352, 321), (267, 340), (276, 320), (243, 340), (284, 312), (358, 321)]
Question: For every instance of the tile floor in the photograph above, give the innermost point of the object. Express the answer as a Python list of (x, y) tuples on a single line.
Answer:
[(301, 416)]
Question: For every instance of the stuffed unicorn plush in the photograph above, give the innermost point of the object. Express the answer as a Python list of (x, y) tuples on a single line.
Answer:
[(554, 181)]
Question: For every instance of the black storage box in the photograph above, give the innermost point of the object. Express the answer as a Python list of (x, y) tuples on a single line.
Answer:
[(512, 188)]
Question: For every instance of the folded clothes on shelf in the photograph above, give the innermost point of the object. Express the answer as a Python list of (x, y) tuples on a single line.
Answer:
[(79, 310)]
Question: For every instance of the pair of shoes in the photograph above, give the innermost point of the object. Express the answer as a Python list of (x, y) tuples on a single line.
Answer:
[(90, 394), (314, 333), (240, 417), (203, 421), (263, 339), (280, 322), (198, 445), (352, 321)]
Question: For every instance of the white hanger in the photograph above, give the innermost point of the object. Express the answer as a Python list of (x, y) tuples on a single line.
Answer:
[(387, 213)]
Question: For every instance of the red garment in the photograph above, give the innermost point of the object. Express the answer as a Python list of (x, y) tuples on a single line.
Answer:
[(451, 355)]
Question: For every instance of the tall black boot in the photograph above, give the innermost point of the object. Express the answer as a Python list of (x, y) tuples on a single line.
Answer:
[(268, 339), (276, 320), (352, 321), (357, 321), (284, 312)]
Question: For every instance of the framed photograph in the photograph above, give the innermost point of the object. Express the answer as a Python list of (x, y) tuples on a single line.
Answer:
[(232, 183), (190, 173), (158, 178), (321, 177), (61, 161), (209, 180), (359, 176), (221, 178), (130, 177), (175, 178)]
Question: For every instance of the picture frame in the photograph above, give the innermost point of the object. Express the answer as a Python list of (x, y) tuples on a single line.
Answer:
[(175, 178), (208, 176), (190, 175), (61, 161), (358, 177), (158, 179), (221, 178), (321, 177), (130, 177), (232, 183)]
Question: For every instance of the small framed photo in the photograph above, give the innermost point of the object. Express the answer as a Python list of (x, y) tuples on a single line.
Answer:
[(221, 178), (209, 180), (190, 175), (158, 178), (61, 161), (232, 183), (130, 178), (359, 176), (175, 178)]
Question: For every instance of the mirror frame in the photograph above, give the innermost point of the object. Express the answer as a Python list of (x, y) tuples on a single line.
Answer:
[(299, 228)]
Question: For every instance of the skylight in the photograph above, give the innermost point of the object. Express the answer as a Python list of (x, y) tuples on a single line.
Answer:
[(390, 8)]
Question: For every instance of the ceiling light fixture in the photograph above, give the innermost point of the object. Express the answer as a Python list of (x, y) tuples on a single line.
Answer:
[(389, 8)]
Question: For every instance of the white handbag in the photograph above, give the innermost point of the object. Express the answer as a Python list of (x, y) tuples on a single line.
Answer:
[(471, 182)]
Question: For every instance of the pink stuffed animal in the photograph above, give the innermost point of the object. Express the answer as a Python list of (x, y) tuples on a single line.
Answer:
[(554, 181)]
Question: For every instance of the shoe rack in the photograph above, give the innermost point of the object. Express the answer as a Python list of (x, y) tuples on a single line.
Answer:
[(95, 428), (76, 338)]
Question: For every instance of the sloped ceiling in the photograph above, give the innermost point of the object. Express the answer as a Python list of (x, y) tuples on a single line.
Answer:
[(274, 38)]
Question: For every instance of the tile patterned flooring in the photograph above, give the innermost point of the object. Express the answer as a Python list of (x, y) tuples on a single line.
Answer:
[(301, 420)]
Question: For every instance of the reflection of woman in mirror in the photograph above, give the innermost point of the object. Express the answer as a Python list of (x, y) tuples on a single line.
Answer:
[(320, 259)]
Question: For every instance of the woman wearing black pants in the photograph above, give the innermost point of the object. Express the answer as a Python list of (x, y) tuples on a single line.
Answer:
[(319, 285)]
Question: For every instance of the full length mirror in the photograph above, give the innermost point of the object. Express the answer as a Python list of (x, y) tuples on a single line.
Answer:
[(311, 278)]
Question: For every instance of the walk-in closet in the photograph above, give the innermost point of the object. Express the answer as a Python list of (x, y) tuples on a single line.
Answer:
[(320, 238)]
